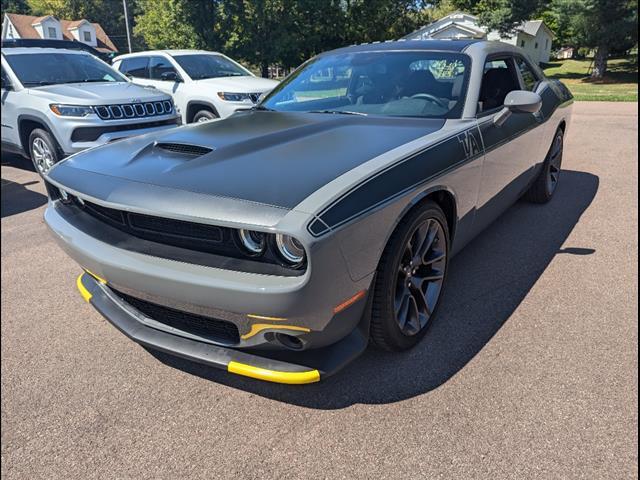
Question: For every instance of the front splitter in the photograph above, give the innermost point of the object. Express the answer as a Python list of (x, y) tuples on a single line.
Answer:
[(282, 366)]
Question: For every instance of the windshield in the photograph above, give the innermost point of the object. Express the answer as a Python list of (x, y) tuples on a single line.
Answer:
[(199, 67), (39, 69), (406, 84)]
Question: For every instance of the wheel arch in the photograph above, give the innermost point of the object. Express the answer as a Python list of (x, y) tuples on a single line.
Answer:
[(444, 197), (27, 124), (194, 106)]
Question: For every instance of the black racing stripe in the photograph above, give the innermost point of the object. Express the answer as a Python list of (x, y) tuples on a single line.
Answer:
[(400, 178)]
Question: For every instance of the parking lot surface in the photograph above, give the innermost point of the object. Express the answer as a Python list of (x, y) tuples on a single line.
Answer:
[(530, 371)]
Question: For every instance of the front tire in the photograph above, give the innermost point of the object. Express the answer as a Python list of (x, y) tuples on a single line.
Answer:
[(410, 279), (545, 185), (43, 150), (204, 116)]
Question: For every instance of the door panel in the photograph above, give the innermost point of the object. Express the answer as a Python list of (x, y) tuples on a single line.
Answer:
[(511, 150)]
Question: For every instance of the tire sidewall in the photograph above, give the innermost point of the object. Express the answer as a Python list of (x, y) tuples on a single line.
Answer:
[(547, 167), (387, 276), (47, 138), (204, 114)]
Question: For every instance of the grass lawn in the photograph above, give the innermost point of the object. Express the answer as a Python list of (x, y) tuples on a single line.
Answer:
[(619, 85)]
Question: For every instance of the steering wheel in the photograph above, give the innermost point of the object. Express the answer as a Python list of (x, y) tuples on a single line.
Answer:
[(430, 98)]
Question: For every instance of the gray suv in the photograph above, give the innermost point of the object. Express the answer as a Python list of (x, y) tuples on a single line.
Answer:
[(58, 102)]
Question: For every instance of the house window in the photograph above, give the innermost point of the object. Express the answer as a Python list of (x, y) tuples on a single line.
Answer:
[(536, 46), (522, 43), (546, 43), (52, 32), (87, 36)]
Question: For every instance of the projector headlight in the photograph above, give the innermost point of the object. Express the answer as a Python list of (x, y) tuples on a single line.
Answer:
[(290, 249), (233, 97), (70, 110), (254, 242)]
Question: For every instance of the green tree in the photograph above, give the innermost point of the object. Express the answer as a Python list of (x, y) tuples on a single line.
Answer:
[(606, 26), (161, 24), (14, 6), (502, 15)]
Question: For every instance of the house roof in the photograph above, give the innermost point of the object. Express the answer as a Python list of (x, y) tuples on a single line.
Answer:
[(24, 25), (533, 26)]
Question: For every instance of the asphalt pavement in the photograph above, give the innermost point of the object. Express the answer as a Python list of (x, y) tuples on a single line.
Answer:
[(530, 371)]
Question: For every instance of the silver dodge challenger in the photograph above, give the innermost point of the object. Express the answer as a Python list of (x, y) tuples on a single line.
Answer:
[(278, 242)]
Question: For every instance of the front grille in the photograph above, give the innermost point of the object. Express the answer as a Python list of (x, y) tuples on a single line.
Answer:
[(255, 97), (133, 110), (184, 241), (91, 134), (198, 236), (185, 149), (210, 328)]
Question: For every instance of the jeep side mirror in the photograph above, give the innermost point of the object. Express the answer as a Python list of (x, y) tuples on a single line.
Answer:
[(518, 101), (170, 77)]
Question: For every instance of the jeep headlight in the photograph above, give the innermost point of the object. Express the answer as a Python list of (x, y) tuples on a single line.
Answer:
[(233, 97), (70, 110)]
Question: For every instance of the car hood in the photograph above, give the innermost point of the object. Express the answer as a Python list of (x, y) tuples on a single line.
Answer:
[(97, 93), (272, 158), (245, 84)]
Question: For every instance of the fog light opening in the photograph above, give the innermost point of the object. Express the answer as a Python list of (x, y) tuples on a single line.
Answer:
[(289, 341)]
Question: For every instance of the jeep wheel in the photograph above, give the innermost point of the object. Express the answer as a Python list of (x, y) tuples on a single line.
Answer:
[(43, 150), (204, 116)]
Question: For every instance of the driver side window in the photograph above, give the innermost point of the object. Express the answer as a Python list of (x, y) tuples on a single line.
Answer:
[(498, 80), (161, 69)]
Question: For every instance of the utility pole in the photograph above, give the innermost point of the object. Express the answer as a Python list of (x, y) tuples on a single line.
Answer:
[(126, 22)]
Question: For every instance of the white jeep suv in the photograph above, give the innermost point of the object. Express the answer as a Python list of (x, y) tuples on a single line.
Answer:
[(56, 102), (204, 85)]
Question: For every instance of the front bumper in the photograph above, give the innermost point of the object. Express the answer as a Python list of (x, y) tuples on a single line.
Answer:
[(275, 366), (64, 128)]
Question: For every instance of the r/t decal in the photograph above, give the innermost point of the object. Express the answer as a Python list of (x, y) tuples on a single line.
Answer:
[(470, 144)]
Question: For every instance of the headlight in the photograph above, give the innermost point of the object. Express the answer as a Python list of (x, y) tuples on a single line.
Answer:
[(290, 249), (233, 97), (70, 110), (254, 242)]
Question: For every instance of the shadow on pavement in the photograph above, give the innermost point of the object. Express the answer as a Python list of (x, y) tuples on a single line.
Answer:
[(487, 282), (16, 198), (17, 161)]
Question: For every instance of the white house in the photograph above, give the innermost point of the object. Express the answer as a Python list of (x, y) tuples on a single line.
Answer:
[(533, 36), (49, 27)]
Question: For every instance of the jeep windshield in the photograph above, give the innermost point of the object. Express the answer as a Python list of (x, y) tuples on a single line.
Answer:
[(199, 67), (406, 84), (40, 69)]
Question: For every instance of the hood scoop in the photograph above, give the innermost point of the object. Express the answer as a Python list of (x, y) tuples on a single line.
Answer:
[(183, 148)]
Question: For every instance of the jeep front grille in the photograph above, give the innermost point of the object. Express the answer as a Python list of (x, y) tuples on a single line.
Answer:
[(134, 110)]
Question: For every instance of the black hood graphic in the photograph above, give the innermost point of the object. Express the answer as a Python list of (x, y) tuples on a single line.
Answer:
[(272, 158)]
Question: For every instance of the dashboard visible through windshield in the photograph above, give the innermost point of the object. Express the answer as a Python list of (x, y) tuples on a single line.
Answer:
[(200, 67), (40, 69), (408, 84)]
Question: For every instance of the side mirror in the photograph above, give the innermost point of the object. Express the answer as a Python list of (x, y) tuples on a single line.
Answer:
[(518, 101), (170, 77), (6, 85)]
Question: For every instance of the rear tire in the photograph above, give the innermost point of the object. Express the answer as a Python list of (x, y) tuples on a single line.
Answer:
[(410, 279), (204, 116), (546, 183), (43, 150)]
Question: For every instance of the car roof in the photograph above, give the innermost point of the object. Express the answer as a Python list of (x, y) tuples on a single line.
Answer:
[(32, 50), (431, 44), (171, 53)]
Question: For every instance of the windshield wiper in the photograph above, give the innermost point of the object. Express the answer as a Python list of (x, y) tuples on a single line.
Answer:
[(339, 112)]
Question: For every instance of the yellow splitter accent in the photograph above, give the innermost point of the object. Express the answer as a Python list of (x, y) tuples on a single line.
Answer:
[(83, 291), (310, 376)]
